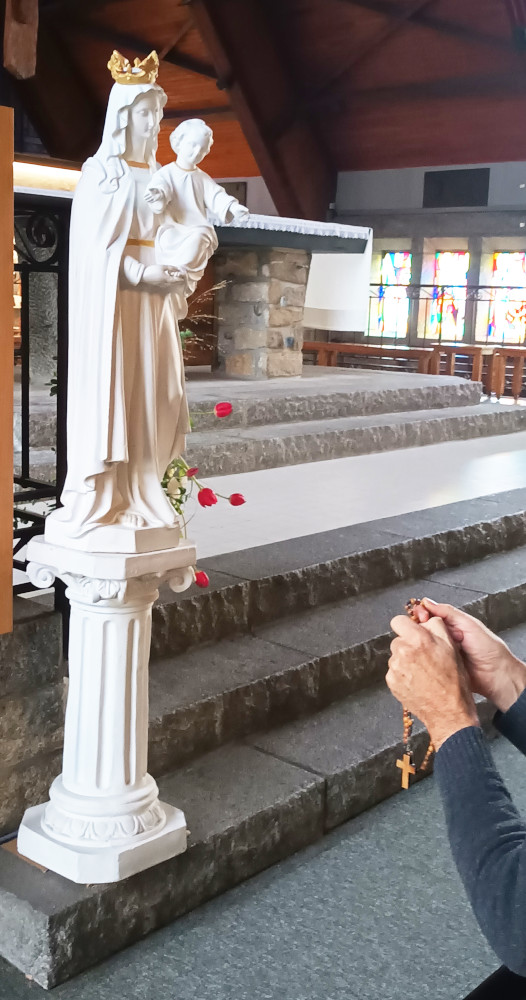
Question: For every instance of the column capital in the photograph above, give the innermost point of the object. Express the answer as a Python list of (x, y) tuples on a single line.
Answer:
[(110, 579)]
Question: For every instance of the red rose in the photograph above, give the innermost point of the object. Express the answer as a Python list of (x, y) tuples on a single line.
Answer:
[(201, 579), (223, 409), (237, 499), (206, 497), (191, 473)]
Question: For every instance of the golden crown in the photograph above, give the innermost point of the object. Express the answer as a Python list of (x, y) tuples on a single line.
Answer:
[(141, 72)]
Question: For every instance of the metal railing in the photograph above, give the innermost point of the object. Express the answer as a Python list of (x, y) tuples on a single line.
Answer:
[(470, 313), (40, 248)]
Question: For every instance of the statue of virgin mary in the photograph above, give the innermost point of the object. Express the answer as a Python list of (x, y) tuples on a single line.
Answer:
[(127, 409)]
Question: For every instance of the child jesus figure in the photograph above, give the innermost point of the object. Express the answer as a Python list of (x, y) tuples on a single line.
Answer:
[(190, 202)]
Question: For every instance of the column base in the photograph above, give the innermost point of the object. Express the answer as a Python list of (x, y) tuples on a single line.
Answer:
[(90, 865)]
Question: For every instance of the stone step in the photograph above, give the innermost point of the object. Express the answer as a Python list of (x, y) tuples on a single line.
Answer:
[(226, 449), (296, 666), (323, 397), (252, 588), (272, 445), (312, 397), (248, 805)]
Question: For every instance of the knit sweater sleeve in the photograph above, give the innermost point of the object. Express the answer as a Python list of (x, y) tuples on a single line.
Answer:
[(512, 724), (487, 837)]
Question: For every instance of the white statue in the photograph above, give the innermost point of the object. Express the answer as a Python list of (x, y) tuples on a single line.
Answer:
[(127, 408), (189, 202)]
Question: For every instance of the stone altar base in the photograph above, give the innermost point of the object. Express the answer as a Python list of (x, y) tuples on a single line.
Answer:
[(104, 821)]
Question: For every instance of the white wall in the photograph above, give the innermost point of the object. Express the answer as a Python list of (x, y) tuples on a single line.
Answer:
[(404, 189), (259, 200)]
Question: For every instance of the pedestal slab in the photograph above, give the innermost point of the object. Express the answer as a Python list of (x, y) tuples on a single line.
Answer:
[(104, 820)]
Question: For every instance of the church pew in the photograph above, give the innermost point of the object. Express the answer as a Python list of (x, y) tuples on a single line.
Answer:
[(327, 353)]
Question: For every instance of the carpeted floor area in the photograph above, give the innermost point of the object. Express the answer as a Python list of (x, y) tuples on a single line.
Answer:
[(375, 911)]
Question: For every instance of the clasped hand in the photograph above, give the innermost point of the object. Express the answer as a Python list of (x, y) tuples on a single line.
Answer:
[(161, 276), (437, 665)]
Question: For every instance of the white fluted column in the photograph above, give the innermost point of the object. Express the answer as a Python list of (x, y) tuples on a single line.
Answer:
[(104, 820)]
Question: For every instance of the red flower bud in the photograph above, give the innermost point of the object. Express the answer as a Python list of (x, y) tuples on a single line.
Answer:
[(206, 497), (223, 409), (201, 579), (191, 472), (237, 499)]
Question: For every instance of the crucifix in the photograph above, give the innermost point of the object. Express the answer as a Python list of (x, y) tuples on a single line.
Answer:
[(407, 767)]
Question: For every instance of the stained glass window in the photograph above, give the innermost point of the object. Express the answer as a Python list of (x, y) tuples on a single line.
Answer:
[(390, 309), (448, 307), (507, 311)]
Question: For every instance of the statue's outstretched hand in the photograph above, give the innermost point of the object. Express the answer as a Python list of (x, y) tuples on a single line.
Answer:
[(161, 276), (240, 213), (156, 199)]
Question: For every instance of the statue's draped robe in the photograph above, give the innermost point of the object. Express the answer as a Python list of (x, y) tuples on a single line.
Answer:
[(127, 409), (187, 237)]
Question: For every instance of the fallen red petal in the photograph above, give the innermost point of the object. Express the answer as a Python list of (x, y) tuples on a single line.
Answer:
[(202, 579)]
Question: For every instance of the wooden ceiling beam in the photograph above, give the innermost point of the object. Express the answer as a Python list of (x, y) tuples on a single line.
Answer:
[(294, 164), (443, 27), (58, 103), (119, 39), (20, 37), (499, 85), (390, 28), (223, 113)]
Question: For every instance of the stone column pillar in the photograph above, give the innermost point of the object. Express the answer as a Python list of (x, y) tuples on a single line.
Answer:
[(475, 261), (260, 311), (104, 820)]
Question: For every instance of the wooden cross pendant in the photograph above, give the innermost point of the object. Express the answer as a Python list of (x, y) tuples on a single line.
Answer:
[(407, 767)]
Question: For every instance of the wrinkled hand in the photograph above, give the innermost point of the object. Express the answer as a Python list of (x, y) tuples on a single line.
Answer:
[(427, 675), (493, 670), (161, 276)]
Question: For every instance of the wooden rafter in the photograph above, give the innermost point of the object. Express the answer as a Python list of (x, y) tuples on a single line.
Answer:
[(20, 37), (292, 161), (501, 85), (119, 39), (58, 103), (222, 112), (444, 27), (385, 33)]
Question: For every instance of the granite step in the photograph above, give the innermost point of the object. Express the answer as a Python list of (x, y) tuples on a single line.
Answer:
[(312, 397), (272, 445), (299, 665), (248, 805), (252, 588), (225, 448), (324, 396)]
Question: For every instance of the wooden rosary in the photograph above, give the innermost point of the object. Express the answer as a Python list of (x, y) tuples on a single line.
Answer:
[(407, 765)]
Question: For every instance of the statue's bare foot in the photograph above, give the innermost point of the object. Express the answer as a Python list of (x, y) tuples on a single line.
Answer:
[(131, 520)]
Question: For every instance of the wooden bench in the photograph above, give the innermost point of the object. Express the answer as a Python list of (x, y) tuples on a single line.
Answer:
[(493, 376), (327, 353), (503, 356)]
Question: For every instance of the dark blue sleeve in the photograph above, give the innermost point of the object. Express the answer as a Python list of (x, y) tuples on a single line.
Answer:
[(488, 842), (512, 724)]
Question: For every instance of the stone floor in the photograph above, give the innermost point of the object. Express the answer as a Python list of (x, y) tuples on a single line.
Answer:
[(376, 910), (306, 499)]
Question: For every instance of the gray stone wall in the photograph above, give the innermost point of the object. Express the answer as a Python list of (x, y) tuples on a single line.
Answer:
[(31, 710), (260, 311)]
